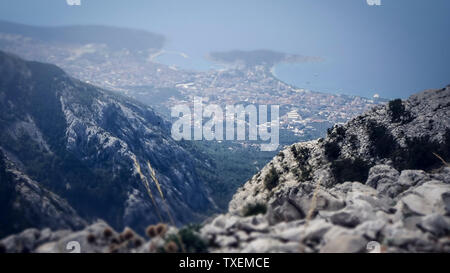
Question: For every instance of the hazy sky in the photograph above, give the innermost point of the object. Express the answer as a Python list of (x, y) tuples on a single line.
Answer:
[(395, 49)]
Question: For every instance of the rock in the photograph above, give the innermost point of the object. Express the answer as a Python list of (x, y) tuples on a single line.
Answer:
[(426, 199), (226, 241), (446, 200), (296, 204), (371, 229), (443, 175), (345, 244), (312, 233), (436, 224), (269, 245), (409, 178), (384, 178), (345, 219)]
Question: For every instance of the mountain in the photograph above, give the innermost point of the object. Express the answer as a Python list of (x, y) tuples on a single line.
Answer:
[(263, 57), (379, 183), (380, 180), (115, 37), (82, 143)]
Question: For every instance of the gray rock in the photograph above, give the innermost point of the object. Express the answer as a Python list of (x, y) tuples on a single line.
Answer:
[(269, 245), (384, 179), (409, 178), (345, 244), (436, 224), (345, 219), (371, 229)]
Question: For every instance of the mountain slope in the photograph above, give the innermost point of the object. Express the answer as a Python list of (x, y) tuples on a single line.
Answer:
[(24, 203), (80, 142), (381, 180), (403, 135)]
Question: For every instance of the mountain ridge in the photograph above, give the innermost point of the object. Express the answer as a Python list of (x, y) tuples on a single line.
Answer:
[(80, 142)]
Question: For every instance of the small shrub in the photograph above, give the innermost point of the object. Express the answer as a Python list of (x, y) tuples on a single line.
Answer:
[(420, 153), (113, 248), (350, 170), (397, 110), (127, 234), (91, 238), (161, 229), (301, 155), (151, 231), (107, 232), (171, 247), (115, 241), (271, 179), (353, 141), (190, 239), (383, 143), (306, 173), (338, 133), (332, 150), (137, 242), (294, 151), (254, 209)]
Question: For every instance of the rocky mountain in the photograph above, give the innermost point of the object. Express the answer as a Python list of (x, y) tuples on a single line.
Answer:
[(380, 183), (94, 148)]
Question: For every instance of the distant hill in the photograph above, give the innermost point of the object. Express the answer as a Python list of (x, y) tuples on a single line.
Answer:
[(259, 57), (114, 37)]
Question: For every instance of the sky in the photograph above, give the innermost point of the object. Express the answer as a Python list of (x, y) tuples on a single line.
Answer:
[(395, 50)]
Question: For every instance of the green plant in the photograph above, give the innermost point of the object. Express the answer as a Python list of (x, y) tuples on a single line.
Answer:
[(271, 179), (192, 242), (254, 209)]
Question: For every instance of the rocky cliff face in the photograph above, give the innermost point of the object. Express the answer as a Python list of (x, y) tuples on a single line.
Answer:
[(413, 134), (83, 143)]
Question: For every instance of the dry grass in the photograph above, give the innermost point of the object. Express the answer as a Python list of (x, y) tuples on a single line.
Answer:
[(158, 186), (153, 175), (147, 186), (441, 159), (313, 205)]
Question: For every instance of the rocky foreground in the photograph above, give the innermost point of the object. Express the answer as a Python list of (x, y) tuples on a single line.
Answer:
[(379, 183)]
